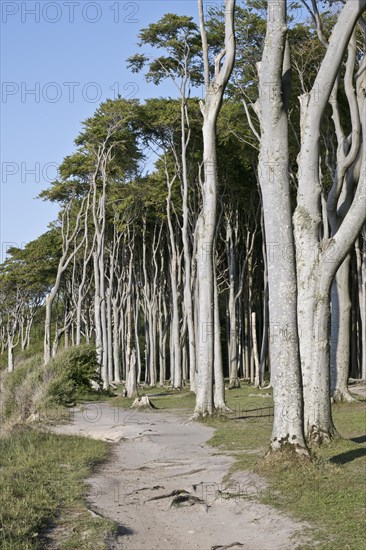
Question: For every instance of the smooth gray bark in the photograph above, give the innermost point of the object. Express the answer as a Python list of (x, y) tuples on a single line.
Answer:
[(274, 182)]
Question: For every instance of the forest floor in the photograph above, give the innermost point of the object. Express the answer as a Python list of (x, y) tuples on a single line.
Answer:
[(167, 489)]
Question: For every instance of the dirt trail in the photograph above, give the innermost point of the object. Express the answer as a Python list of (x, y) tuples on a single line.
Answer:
[(157, 453)]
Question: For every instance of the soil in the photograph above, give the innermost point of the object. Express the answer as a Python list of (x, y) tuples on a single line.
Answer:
[(168, 490)]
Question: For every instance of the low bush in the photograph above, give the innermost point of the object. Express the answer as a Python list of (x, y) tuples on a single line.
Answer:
[(71, 374)]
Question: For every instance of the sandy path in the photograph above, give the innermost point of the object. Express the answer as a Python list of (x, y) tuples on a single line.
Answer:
[(156, 453)]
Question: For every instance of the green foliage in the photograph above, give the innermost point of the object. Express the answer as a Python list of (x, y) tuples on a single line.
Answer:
[(179, 38), (41, 478), (112, 130), (72, 371), (32, 268)]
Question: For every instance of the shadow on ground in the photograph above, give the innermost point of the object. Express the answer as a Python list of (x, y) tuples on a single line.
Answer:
[(343, 458)]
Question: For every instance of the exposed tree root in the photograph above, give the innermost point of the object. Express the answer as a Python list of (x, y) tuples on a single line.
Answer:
[(190, 473), (343, 395), (223, 408), (218, 547), (197, 415), (155, 488), (176, 492), (187, 500)]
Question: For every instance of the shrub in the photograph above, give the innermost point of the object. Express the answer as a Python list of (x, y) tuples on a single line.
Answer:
[(72, 372)]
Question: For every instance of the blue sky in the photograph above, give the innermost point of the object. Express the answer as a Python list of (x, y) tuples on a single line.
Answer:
[(59, 60)]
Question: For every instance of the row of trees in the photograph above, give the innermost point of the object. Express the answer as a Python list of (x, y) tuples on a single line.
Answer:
[(225, 235)]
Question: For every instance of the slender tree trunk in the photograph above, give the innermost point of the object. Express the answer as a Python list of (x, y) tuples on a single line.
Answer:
[(116, 342), (340, 334), (257, 379), (219, 392), (361, 278), (233, 347), (206, 224), (175, 351)]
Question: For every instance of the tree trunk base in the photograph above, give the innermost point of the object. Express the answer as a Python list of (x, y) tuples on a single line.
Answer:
[(221, 408), (201, 414), (342, 395), (318, 437), (234, 383), (288, 451)]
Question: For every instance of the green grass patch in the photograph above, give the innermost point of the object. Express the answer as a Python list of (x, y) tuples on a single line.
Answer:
[(247, 430), (41, 480)]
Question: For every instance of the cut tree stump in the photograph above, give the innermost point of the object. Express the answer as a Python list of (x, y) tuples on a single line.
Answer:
[(142, 403)]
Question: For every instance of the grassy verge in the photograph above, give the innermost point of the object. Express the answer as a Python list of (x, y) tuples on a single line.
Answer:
[(41, 480)]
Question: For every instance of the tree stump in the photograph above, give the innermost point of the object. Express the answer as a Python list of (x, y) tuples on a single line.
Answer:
[(143, 403)]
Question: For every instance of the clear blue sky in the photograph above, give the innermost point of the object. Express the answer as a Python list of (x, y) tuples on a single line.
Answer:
[(72, 54)]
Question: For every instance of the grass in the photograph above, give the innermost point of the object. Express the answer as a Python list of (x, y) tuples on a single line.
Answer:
[(331, 491), (41, 480)]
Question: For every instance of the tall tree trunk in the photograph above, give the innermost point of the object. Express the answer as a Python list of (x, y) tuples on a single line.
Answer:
[(274, 182), (175, 350), (116, 341), (210, 108), (318, 259)]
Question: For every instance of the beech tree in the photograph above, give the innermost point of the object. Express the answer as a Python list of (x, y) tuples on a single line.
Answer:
[(215, 82), (274, 81), (319, 258)]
